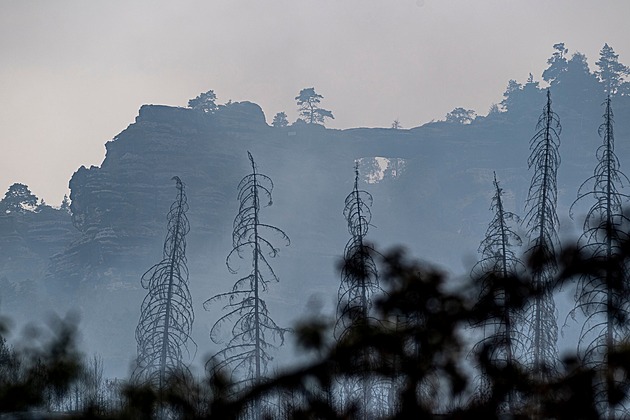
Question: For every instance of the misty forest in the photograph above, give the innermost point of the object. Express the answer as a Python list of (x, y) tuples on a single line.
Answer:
[(217, 266)]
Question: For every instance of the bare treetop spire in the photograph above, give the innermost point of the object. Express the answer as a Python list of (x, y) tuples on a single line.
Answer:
[(541, 221), (167, 314)]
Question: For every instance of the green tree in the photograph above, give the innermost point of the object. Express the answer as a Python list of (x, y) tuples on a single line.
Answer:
[(280, 120), (205, 102), (461, 116), (611, 72), (65, 204), (557, 64), (308, 106), (18, 199)]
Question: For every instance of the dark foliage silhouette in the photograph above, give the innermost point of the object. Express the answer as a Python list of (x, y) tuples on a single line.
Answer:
[(205, 102), (611, 72), (308, 102), (414, 290)]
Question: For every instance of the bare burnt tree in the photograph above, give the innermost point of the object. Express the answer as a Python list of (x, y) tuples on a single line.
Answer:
[(603, 295), (359, 277), (497, 272), (359, 283), (541, 221), (167, 315), (253, 333)]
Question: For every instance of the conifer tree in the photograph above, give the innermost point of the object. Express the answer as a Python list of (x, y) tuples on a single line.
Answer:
[(497, 272), (611, 72), (359, 277), (541, 221), (603, 295), (359, 285), (253, 333), (167, 315), (308, 102)]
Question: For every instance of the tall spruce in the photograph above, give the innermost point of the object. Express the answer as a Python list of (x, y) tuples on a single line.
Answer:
[(603, 295), (497, 273), (541, 221), (359, 285), (253, 333), (167, 315)]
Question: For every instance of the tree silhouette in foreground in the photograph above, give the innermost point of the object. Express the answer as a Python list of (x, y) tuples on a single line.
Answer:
[(541, 221), (167, 315), (499, 266), (417, 291), (254, 333), (603, 295), (359, 285)]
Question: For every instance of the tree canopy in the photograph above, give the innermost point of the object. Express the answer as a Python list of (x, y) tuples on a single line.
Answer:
[(280, 120), (611, 72), (205, 102), (308, 106), (461, 116), (18, 199), (557, 63)]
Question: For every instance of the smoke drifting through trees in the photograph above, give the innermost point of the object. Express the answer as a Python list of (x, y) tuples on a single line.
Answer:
[(603, 295), (253, 333), (542, 223), (167, 315)]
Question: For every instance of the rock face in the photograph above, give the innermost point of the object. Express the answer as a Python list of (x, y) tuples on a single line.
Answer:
[(432, 196), (29, 238)]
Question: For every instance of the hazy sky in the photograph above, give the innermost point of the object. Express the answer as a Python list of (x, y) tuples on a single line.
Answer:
[(74, 73)]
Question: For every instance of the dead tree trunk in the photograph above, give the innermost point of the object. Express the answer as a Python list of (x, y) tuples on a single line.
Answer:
[(603, 296), (166, 314), (359, 283), (541, 221), (246, 353), (497, 273)]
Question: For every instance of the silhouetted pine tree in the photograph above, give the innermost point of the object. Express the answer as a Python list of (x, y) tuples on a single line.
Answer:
[(254, 333), (603, 295), (541, 221), (167, 315), (497, 273), (359, 283)]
